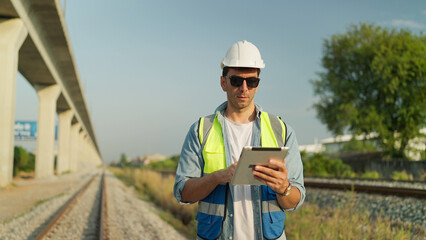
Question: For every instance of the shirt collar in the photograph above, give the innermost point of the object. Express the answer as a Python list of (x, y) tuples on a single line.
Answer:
[(221, 109)]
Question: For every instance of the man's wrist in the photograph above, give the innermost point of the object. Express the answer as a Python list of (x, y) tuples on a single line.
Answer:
[(286, 192)]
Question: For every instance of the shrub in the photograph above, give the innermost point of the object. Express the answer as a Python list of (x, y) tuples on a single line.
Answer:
[(167, 164), (319, 165), (371, 175), (349, 174), (401, 176)]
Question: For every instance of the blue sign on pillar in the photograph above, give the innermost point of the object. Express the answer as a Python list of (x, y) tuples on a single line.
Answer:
[(27, 130)]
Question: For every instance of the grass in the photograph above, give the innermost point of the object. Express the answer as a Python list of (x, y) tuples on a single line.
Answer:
[(152, 186), (66, 172), (308, 222), (311, 222), (401, 176), (371, 175)]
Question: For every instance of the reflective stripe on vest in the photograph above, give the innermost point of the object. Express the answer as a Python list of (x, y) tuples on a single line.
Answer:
[(211, 210)]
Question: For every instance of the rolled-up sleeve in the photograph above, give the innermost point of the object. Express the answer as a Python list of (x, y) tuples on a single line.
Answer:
[(190, 162), (294, 166)]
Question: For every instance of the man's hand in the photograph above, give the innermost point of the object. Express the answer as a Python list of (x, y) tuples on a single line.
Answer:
[(196, 189), (225, 175), (274, 174)]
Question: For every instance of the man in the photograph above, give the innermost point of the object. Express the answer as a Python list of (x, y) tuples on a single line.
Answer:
[(211, 150)]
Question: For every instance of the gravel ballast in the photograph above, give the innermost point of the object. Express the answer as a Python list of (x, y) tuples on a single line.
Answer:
[(128, 216)]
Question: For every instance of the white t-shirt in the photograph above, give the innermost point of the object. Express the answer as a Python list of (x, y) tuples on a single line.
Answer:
[(240, 135)]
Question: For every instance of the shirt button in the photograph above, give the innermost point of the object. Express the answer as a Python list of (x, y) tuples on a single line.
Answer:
[(230, 216), (230, 237)]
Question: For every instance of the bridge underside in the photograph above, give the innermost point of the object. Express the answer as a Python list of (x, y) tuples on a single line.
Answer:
[(34, 40)]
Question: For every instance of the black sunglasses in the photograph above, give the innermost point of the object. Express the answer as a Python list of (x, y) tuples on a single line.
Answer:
[(237, 81)]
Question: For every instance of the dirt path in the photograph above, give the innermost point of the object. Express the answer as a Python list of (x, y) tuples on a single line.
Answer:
[(23, 194)]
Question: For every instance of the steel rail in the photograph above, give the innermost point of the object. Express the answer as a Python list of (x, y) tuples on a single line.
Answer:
[(103, 229), (398, 191), (65, 209)]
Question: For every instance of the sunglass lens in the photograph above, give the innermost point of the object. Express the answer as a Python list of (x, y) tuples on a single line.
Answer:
[(236, 81), (252, 82)]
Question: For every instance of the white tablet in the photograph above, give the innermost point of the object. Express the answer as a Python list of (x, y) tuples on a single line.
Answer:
[(251, 156)]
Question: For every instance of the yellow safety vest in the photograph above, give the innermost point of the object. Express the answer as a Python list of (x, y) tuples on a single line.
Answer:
[(211, 210)]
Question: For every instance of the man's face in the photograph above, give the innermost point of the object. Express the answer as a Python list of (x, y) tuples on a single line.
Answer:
[(239, 98)]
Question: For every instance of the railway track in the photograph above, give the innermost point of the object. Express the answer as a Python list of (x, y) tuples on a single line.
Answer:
[(403, 189), (124, 215), (71, 222)]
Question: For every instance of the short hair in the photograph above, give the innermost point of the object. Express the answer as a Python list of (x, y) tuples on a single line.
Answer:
[(226, 70)]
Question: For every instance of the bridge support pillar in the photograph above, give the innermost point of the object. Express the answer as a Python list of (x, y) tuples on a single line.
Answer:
[(13, 34), (81, 156), (75, 130), (64, 136), (48, 96), (93, 155), (89, 151), (87, 158)]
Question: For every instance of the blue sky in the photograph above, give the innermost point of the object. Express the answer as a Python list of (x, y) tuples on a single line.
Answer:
[(151, 68)]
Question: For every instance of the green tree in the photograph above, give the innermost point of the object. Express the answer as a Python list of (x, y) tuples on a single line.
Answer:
[(374, 81), (30, 163), (20, 160), (123, 160), (175, 158)]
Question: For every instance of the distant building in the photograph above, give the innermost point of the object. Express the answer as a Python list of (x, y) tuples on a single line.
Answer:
[(335, 144), (312, 148), (415, 150)]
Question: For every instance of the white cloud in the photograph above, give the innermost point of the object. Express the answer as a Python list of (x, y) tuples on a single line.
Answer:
[(407, 23)]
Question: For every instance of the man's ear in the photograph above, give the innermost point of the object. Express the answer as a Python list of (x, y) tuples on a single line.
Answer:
[(223, 83)]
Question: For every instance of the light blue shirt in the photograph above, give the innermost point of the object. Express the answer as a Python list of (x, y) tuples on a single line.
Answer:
[(191, 165)]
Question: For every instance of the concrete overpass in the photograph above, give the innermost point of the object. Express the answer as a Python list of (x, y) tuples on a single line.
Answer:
[(34, 40)]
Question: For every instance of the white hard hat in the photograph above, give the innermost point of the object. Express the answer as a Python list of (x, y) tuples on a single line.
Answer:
[(243, 54)]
